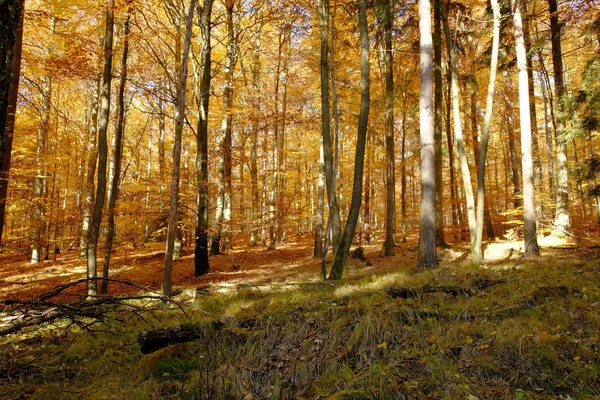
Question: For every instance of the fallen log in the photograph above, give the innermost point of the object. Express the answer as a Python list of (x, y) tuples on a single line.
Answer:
[(157, 339)]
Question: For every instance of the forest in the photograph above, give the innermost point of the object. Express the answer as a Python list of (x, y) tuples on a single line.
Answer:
[(337, 199)]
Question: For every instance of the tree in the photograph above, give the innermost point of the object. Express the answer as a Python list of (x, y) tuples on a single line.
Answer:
[(179, 120), (11, 41), (94, 234), (390, 177), (531, 245), (562, 221), (223, 216), (201, 263), (477, 254), (427, 250), (115, 165), (341, 254)]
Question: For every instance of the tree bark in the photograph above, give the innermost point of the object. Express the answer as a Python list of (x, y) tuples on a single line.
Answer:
[(477, 254), (341, 254), (222, 238), (180, 117), (254, 122), (427, 250), (530, 232), (201, 262), (562, 221), (390, 175), (92, 245), (437, 100), (11, 45), (115, 167)]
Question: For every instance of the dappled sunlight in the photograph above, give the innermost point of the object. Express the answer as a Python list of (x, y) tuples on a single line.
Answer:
[(378, 283)]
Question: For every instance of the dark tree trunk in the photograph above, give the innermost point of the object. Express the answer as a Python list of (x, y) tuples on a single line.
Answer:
[(115, 167), (180, 117), (201, 263), (96, 221), (341, 254), (11, 43)]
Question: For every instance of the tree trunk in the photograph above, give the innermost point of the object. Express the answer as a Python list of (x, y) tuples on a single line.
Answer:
[(92, 162), (318, 248), (115, 167), (530, 232), (323, 8), (341, 254), (512, 151), (427, 250), (222, 238), (390, 175), (460, 144), (10, 70), (437, 100), (255, 100), (562, 222), (403, 170), (477, 254), (103, 117), (201, 263), (180, 117)]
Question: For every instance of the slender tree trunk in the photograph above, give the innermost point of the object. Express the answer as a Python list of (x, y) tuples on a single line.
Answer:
[(323, 8), (201, 263), (530, 232), (10, 50), (318, 248), (427, 250), (255, 100), (537, 160), (115, 167), (460, 144), (456, 220), (548, 138), (103, 117), (390, 175), (403, 170), (512, 151), (92, 162), (341, 254), (40, 182), (223, 217), (477, 254), (180, 117), (437, 100), (562, 222)]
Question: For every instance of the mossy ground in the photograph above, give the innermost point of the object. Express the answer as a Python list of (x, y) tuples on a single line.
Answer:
[(532, 334)]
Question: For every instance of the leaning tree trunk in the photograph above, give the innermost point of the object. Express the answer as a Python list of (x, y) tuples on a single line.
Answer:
[(458, 133), (562, 222), (341, 254), (11, 44), (477, 254), (427, 250), (179, 119), (115, 167), (201, 263), (92, 245), (531, 247)]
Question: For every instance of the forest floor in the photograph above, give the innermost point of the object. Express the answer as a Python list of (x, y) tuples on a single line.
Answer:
[(269, 327)]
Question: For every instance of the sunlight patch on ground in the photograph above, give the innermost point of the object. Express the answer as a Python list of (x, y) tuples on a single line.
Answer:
[(47, 273), (497, 251), (378, 283)]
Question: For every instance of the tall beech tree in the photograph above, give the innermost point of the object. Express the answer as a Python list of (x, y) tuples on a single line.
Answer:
[(103, 118), (11, 44), (562, 221), (341, 254), (175, 176), (531, 247), (115, 164), (427, 250), (201, 263)]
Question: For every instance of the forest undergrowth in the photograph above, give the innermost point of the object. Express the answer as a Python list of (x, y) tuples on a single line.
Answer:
[(515, 329)]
